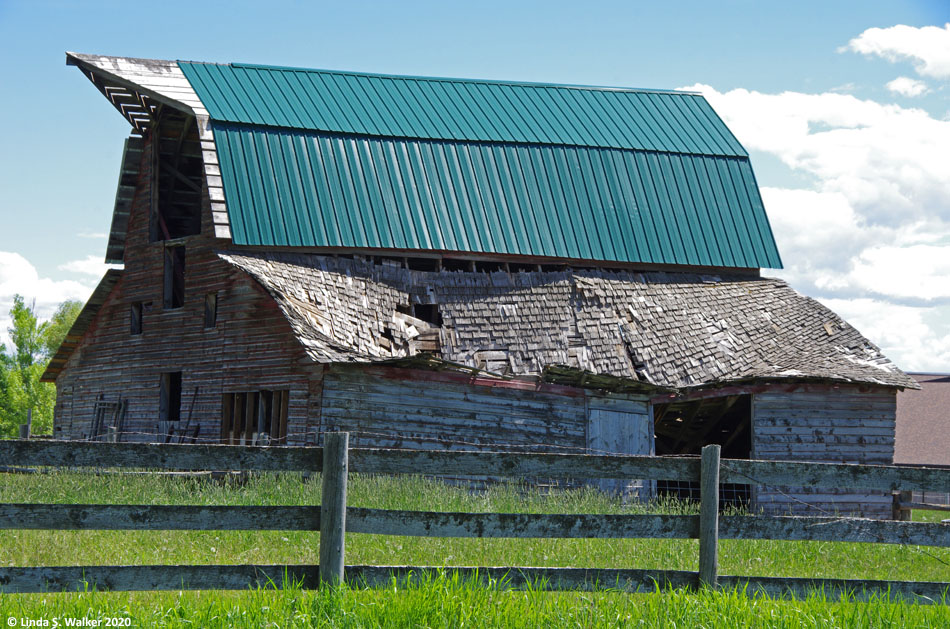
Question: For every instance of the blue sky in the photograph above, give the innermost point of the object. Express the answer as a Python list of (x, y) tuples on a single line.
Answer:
[(843, 159)]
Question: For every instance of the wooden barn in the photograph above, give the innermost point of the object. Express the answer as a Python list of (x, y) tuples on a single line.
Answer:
[(448, 263)]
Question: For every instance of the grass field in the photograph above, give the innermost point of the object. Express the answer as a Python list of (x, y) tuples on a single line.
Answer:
[(442, 600)]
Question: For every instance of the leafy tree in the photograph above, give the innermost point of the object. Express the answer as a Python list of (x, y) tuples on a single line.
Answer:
[(27, 333), (59, 326), (34, 344)]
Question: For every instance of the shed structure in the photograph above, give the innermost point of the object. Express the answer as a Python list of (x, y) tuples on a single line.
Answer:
[(447, 263)]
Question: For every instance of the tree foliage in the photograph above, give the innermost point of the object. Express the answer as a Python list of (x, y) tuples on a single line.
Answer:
[(34, 343)]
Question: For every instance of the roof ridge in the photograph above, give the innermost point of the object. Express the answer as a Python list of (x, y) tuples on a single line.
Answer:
[(448, 79)]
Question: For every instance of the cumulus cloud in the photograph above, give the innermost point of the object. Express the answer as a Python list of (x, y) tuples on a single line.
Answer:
[(90, 265), (917, 338), (19, 276), (928, 47), (888, 161), (906, 86), (871, 236)]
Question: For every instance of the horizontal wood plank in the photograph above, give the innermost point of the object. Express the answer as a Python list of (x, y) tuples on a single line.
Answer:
[(520, 465), (808, 474), (831, 529), (455, 524), (160, 456), (238, 577), (519, 525), (73, 517), (461, 463)]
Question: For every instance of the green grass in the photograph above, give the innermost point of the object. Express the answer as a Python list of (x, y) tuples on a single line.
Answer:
[(442, 601)]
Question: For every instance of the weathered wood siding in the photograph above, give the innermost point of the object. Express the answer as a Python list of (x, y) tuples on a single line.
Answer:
[(250, 348), (398, 408), (842, 424)]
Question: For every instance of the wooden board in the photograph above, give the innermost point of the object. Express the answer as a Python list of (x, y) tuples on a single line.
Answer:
[(239, 577)]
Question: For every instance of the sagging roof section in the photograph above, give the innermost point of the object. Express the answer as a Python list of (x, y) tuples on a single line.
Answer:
[(667, 329), (81, 325), (461, 109)]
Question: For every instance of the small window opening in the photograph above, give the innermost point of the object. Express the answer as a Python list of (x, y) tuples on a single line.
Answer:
[(255, 417), (169, 405), (135, 318), (489, 267), (518, 267), (174, 277), (428, 313), (424, 264), (454, 264), (211, 310)]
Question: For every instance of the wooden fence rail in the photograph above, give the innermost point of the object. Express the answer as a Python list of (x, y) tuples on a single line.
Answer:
[(333, 519)]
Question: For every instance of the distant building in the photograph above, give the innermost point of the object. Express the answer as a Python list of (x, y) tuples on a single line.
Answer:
[(449, 263), (923, 421)]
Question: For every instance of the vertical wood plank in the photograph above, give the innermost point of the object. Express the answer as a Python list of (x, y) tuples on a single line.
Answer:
[(282, 428), (709, 517), (227, 409), (239, 399), (250, 418), (333, 507)]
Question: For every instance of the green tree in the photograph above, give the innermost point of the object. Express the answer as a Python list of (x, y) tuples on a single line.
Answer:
[(59, 325), (34, 344)]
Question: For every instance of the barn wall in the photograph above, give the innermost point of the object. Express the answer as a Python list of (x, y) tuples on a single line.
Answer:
[(250, 348), (401, 408), (842, 424)]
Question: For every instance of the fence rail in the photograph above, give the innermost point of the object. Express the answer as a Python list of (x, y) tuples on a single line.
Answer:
[(333, 519)]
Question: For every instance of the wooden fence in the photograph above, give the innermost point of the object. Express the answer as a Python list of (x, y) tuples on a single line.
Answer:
[(333, 519)]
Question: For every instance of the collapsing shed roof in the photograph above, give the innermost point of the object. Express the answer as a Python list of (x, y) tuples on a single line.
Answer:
[(671, 330)]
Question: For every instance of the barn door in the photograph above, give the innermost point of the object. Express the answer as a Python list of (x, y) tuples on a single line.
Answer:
[(611, 431)]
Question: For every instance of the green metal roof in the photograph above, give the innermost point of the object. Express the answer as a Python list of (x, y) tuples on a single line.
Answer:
[(458, 109), (331, 159), (321, 190)]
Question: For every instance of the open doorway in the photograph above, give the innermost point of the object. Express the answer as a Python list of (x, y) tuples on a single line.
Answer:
[(684, 427)]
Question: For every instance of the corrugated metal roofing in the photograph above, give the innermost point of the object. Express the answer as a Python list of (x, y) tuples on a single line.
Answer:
[(460, 109), (297, 188)]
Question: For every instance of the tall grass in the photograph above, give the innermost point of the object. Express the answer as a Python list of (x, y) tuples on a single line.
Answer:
[(445, 600)]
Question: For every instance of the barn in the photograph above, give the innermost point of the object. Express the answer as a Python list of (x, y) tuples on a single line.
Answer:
[(456, 264)]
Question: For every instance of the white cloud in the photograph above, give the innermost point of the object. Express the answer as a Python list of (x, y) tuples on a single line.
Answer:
[(90, 265), (18, 276), (906, 86), (917, 339), (888, 161), (927, 47), (95, 235), (871, 238)]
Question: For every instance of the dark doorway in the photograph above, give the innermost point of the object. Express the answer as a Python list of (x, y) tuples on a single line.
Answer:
[(684, 427)]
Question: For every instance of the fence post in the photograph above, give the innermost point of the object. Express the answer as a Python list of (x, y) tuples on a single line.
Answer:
[(333, 507), (905, 497), (25, 428), (709, 517)]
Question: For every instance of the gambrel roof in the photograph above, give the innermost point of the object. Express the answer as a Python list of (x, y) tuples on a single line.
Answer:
[(325, 159)]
